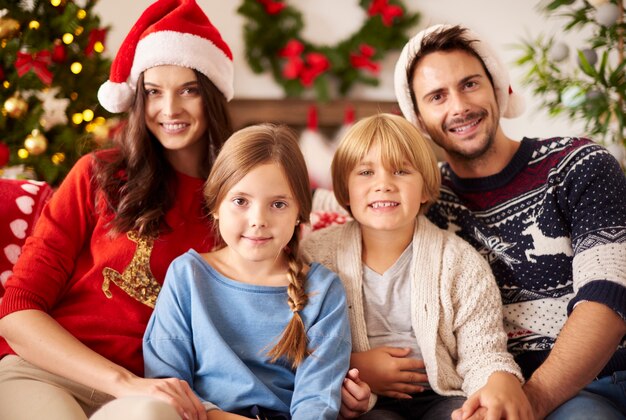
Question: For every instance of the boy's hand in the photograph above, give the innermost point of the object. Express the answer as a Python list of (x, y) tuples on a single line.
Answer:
[(501, 397), (389, 372), (355, 396)]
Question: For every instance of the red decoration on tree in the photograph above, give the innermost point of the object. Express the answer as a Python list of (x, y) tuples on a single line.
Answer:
[(38, 62), (317, 64), (386, 11), (1, 74), (362, 59), (307, 69), (96, 35), (59, 53), (272, 7), (4, 154)]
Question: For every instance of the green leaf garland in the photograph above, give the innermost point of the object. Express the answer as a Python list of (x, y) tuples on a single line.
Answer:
[(273, 42)]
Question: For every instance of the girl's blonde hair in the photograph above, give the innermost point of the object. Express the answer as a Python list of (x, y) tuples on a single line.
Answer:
[(399, 141), (242, 152)]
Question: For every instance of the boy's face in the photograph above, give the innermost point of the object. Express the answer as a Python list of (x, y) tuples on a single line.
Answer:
[(383, 199), (456, 102)]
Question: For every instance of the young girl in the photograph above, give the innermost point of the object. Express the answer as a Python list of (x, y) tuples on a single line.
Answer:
[(252, 328), (415, 292), (76, 308)]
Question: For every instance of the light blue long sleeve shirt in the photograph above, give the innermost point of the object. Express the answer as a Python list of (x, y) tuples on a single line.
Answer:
[(215, 332)]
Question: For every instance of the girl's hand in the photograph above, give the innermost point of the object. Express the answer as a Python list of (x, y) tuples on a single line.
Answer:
[(389, 372), (175, 392), (355, 396), (501, 397)]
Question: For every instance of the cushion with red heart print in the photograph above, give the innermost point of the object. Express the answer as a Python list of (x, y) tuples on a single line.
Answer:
[(21, 202)]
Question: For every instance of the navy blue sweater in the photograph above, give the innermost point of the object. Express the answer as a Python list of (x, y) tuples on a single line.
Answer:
[(552, 225)]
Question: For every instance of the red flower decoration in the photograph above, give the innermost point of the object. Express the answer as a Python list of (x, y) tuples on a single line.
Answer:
[(4, 154), (293, 68), (307, 69), (97, 35), (38, 62), (386, 11), (317, 64), (272, 7), (362, 59), (292, 48)]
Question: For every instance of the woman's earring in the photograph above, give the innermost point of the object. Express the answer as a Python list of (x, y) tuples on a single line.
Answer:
[(297, 222)]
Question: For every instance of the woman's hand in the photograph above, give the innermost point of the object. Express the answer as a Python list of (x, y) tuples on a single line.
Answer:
[(175, 392)]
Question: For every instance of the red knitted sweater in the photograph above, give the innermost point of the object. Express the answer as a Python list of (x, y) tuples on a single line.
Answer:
[(101, 289)]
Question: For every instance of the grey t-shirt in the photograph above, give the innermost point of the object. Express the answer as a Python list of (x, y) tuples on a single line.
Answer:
[(387, 307)]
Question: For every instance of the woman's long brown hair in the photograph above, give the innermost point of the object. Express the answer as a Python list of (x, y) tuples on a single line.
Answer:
[(138, 183), (245, 150)]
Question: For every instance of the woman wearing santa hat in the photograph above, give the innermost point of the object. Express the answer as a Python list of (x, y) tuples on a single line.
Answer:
[(81, 294)]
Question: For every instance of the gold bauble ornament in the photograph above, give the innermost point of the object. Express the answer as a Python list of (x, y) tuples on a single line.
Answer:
[(8, 27), (36, 143), (15, 106)]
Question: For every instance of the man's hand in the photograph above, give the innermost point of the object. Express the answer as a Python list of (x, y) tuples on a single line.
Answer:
[(389, 372), (355, 396), (584, 346)]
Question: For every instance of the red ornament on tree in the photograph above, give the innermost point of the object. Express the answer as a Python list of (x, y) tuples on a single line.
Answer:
[(95, 36), (1, 74), (272, 7), (59, 53), (4, 154)]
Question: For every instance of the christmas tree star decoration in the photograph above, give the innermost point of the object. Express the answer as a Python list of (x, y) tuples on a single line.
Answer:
[(53, 108), (27, 5)]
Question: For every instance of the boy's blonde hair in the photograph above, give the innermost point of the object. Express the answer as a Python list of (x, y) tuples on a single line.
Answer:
[(243, 151), (399, 141)]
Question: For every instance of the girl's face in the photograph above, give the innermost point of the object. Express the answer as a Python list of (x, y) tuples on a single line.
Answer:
[(175, 115), (383, 199), (257, 217)]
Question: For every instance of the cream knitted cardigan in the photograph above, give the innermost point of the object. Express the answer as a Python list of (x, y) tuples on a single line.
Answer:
[(456, 308)]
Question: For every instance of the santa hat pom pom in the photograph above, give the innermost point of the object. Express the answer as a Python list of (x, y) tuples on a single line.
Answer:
[(516, 106), (116, 97)]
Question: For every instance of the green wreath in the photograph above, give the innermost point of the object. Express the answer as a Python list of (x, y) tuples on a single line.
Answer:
[(272, 34)]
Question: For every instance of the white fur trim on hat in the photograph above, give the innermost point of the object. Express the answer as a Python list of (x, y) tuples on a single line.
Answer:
[(185, 50), (510, 103)]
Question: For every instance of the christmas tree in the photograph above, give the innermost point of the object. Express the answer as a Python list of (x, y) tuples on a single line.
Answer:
[(51, 67), (589, 84)]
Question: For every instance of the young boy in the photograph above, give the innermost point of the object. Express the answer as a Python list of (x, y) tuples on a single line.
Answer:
[(417, 295)]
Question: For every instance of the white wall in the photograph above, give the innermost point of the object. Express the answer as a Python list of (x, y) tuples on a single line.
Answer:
[(502, 22)]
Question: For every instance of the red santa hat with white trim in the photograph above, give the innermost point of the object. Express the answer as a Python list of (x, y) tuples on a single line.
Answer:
[(169, 32), (511, 104)]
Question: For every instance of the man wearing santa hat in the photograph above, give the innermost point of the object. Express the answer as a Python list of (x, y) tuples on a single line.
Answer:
[(549, 216)]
